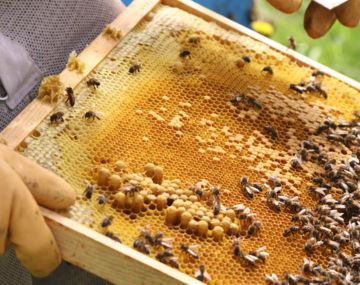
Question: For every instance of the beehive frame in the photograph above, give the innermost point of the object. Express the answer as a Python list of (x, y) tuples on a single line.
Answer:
[(82, 246)]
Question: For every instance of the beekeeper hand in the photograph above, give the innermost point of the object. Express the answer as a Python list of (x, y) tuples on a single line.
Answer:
[(22, 182), (318, 20)]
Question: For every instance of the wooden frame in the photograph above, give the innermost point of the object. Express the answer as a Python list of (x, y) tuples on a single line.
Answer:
[(104, 257)]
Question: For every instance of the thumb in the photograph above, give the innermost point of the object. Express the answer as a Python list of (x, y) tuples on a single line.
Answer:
[(47, 188)]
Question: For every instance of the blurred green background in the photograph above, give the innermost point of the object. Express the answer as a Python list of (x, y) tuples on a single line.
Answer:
[(339, 49)]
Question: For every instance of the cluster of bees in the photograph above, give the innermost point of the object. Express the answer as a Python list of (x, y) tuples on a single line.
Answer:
[(93, 83), (146, 241), (333, 225), (241, 98), (58, 117), (311, 86), (252, 257)]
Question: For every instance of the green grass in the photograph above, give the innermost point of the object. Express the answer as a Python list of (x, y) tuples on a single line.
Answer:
[(339, 49)]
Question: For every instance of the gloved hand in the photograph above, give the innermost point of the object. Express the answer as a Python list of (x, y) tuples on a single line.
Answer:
[(318, 20), (21, 223)]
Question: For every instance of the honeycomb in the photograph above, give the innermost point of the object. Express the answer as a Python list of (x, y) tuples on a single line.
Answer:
[(175, 113)]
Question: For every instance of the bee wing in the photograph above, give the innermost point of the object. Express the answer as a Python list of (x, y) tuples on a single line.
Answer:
[(277, 189), (222, 207), (238, 207), (207, 276), (261, 249), (251, 258), (195, 246), (254, 189), (168, 239), (284, 198), (197, 273)]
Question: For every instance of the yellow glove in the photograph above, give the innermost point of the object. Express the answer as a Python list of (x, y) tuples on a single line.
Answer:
[(318, 20), (21, 223)]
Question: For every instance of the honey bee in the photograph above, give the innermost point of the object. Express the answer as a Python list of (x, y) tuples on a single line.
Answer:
[(272, 131), (237, 98), (246, 58), (292, 43), (355, 247), (102, 199), (145, 233), (297, 88), (57, 118), (303, 216), (159, 240), (189, 249), (316, 86), (254, 102), (113, 236), (131, 190), (89, 190), (248, 188), (254, 228), (196, 190), (236, 247), (291, 230), (216, 205), (274, 180), (326, 126), (70, 96), (246, 214), (268, 69), (334, 245), (311, 243), (141, 246), (317, 73), (167, 257), (272, 279), (272, 192), (291, 203), (216, 202), (274, 204), (201, 274), (135, 68), (92, 82), (295, 162), (238, 208), (91, 115), (295, 279), (251, 259), (107, 221), (310, 267), (260, 253), (185, 53)]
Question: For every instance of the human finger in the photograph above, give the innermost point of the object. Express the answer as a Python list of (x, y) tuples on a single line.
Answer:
[(35, 245), (286, 6), (348, 13), (47, 188), (318, 20)]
